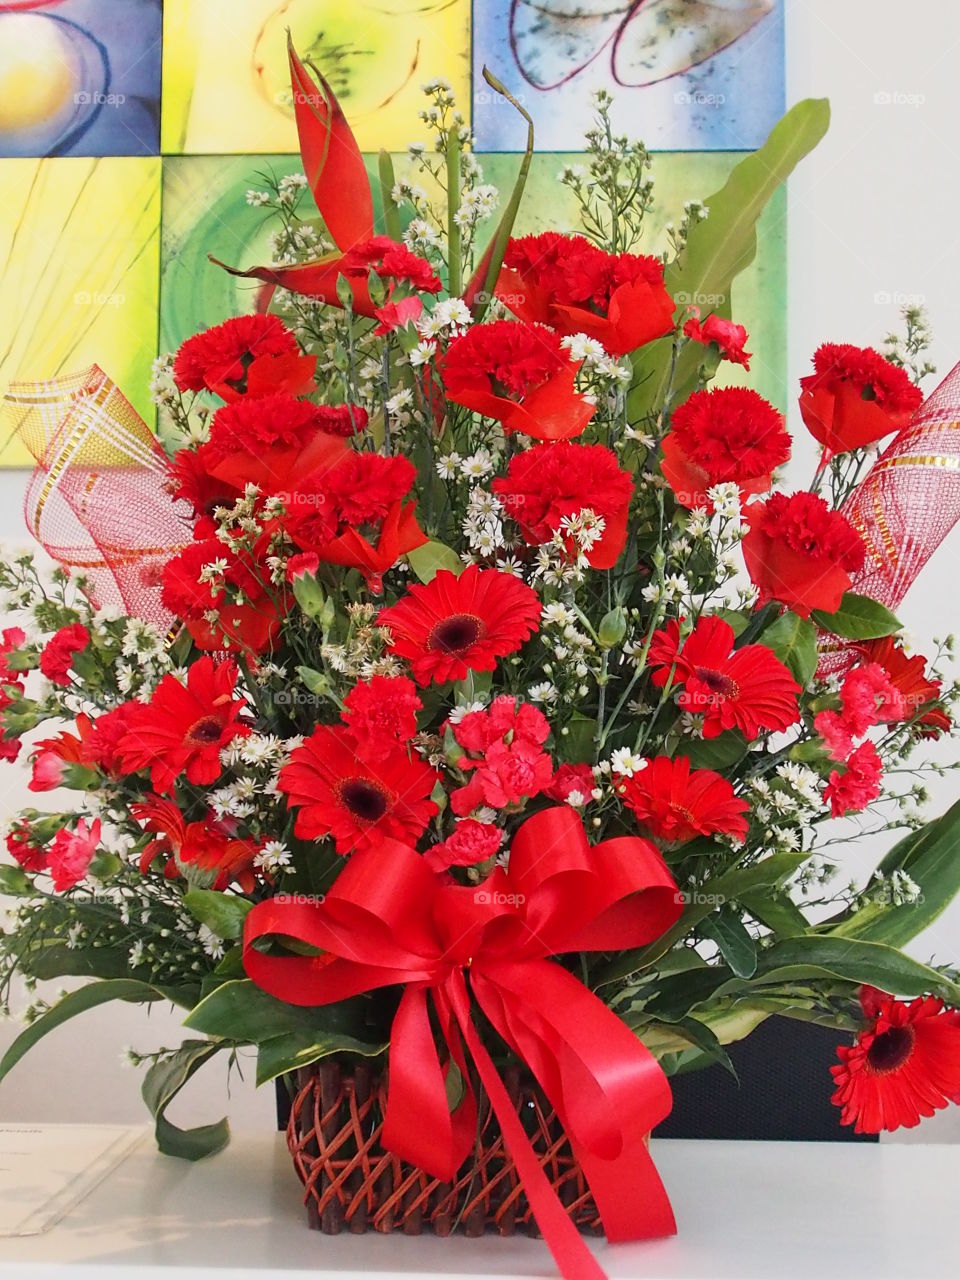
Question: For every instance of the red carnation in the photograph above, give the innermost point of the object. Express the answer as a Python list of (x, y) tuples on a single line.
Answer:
[(391, 261), (57, 656), (24, 847), (71, 853), (549, 482), (358, 798), (858, 785), (50, 756), (867, 697), (190, 480), (854, 397), (520, 374), (908, 675), (904, 1065), (182, 729), (472, 842), (101, 748), (676, 803), (571, 779), (382, 712), (747, 689), (248, 355), (249, 626), (342, 419), (326, 512), (250, 426), (729, 434), (203, 846), (12, 638), (801, 553), (511, 766), (568, 283), (452, 625), (729, 337)]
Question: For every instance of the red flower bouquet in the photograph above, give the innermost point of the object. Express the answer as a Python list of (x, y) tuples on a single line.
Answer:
[(456, 708)]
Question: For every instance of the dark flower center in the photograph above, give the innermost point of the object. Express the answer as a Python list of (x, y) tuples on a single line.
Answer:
[(205, 732), (456, 633), (718, 683), (891, 1049), (364, 799)]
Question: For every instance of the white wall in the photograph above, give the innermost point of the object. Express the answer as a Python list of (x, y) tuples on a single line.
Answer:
[(872, 214)]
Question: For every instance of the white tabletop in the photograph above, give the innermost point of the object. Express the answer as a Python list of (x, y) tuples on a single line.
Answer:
[(747, 1211)]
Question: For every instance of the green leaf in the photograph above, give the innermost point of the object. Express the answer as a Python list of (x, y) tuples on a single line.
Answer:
[(777, 912), (88, 997), (719, 753), (736, 619), (222, 913), (858, 618), (712, 894), (720, 248), (931, 857), (280, 1054), (853, 960), (736, 945), (161, 1085), (244, 1012), (579, 744), (690, 1031), (479, 291), (794, 641), (14, 881), (425, 561), (391, 214)]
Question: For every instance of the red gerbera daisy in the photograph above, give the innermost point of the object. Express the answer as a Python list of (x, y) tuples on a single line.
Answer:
[(343, 790), (676, 803), (731, 338), (747, 689), (854, 397), (203, 846), (904, 1065), (908, 675), (729, 434), (247, 355), (568, 283), (182, 729), (520, 374), (801, 553), (549, 482), (452, 625)]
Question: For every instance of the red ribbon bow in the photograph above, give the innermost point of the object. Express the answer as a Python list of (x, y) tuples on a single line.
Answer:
[(389, 920)]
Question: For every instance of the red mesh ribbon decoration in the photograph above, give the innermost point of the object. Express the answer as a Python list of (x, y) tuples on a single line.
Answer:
[(910, 499), (905, 506), (96, 501)]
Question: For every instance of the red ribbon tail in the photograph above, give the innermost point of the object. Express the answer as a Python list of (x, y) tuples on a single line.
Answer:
[(570, 1252)]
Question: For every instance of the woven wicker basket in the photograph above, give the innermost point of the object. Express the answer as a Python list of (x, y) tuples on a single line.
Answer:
[(351, 1183)]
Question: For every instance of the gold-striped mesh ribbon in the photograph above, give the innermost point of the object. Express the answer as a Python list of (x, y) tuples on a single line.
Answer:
[(97, 500)]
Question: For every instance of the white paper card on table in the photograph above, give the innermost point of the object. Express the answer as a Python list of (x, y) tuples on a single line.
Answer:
[(46, 1169)]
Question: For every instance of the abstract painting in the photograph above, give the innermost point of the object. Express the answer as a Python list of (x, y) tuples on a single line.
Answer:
[(79, 261), (113, 109), (80, 77), (226, 85), (686, 75)]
